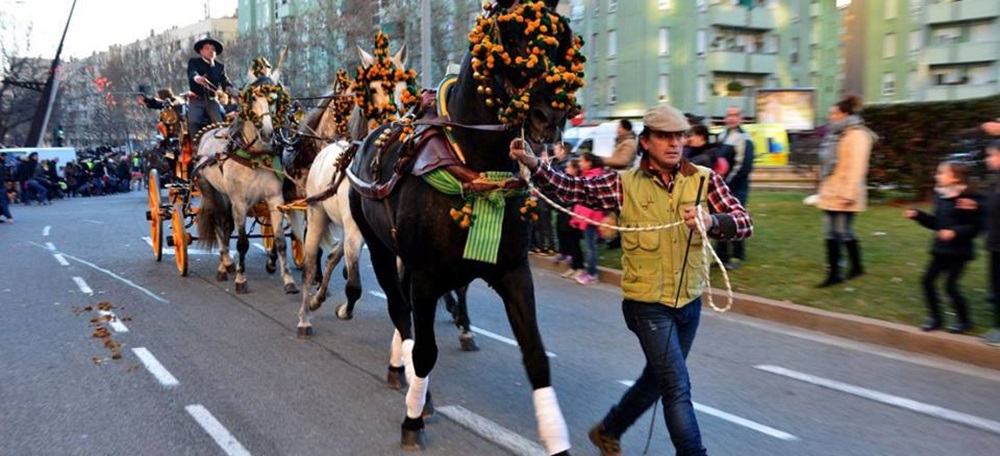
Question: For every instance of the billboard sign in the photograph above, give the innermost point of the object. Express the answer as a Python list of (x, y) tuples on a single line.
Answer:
[(794, 109)]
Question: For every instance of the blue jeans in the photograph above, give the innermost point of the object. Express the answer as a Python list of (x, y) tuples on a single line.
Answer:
[(32, 185), (665, 335), (590, 235), (839, 226)]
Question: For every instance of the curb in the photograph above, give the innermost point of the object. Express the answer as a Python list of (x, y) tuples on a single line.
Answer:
[(954, 347)]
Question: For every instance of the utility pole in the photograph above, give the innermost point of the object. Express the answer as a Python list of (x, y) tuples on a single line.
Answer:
[(425, 44), (44, 109)]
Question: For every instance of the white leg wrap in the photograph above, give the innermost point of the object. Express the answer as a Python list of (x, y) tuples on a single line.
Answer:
[(416, 396), (407, 349), (551, 426), (395, 351)]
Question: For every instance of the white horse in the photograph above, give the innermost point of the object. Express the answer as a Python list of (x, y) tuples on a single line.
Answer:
[(235, 171)]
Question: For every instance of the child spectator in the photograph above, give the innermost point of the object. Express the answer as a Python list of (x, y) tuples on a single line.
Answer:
[(955, 222), (590, 165), (570, 236)]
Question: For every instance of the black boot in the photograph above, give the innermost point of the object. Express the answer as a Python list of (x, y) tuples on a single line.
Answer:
[(833, 264), (854, 253)]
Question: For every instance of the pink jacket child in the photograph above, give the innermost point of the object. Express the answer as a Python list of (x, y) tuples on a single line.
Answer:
[(585, 211)]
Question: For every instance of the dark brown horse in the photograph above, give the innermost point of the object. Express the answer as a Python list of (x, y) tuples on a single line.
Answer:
[(401, 215)]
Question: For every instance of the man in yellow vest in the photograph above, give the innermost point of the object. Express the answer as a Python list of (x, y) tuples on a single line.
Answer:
[(662, 278)]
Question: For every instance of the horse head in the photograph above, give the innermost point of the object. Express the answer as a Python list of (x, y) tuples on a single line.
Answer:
[(265, 106), (384, 88), (527, 66)]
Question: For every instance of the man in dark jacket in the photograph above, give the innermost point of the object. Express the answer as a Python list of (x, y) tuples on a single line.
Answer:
[(4, 201), (992, 244), (206, 76), (738, 179)]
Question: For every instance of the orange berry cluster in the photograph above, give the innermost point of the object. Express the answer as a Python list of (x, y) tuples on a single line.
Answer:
[(342, 105), (385, 72), (276, 95), (529, 211), (463, 216), (544, 58)]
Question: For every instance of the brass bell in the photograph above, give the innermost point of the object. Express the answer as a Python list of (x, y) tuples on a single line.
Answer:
[(480, 90), (489, 102), (489, 91)]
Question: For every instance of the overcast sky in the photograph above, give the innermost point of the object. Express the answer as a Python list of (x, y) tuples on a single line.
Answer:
[(98, 24)]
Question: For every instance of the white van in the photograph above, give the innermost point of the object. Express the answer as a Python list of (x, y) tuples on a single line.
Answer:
[(64, 154), (598, 140)]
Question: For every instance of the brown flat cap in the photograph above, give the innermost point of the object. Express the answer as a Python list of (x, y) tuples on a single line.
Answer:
[(665, 118)]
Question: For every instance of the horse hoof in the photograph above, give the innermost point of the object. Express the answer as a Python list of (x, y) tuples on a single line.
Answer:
[(467, 342), (396, 378), (290, 288), (242, 288), (270, 267), (428, 410), (343, 313), (231, 268), (414, 440), (305, 331), (221, 276), (315, 303)]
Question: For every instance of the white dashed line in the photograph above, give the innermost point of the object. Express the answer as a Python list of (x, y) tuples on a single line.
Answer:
[(115, 323), (214, 428), (763, 429), (500, 338), (154, 367), (62, 260), (95, 222), (45, 231), (888, 399), (491, 431), (82, 285), (116, 276), (50, 246), (378, 294), (260, 246)]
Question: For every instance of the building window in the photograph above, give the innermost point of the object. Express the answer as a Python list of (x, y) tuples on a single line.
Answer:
[(890, 9), (612, 91), (597, 8), (916, 6), (701, 89), (889, 46), (612, 6), (702, 5), (593, 44), (664, 5), (612, 44), (702, 41), (912, 84), (664, 88), (793, 56), (664, 41), (916, 41), (888, 85)]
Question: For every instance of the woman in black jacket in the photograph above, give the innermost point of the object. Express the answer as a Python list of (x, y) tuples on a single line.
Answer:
[(956, 221)]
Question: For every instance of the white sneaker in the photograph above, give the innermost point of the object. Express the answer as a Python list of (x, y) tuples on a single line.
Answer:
[(569, 273)]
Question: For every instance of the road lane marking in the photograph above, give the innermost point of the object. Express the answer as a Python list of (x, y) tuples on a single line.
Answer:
[(45, 231), (50, 246), (500, 338), (763, 429), (170, 250), (154, 367), (477, 330), (116, 276), (95, 222), (61, 259), (82, 285), (888, 399), (491, 431), (115, 323), (214, 428), (260, 246)]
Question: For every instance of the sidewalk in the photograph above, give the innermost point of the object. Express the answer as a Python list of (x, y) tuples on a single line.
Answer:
[(964, 349)]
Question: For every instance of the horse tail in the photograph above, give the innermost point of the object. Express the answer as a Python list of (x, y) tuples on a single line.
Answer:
[(214, 215)]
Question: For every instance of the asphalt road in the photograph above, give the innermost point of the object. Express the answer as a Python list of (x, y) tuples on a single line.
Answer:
[(205, 371)]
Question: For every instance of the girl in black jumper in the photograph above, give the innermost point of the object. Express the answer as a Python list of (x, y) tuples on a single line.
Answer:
[(955, 221)]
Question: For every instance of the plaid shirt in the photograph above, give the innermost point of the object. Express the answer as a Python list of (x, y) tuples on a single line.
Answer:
[(604, 192)]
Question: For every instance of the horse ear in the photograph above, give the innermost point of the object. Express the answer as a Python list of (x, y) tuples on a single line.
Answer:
[(400, 57), (366, 59)]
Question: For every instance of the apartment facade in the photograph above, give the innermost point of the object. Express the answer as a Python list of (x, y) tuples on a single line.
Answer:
[(928, 50), (704, 56)]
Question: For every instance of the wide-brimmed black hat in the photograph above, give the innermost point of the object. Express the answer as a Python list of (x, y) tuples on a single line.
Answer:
[(198, 44)]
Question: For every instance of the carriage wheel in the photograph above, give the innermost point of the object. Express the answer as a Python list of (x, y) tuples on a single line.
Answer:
[(181, 238), (155, 219), (266, 233), (298, 252)]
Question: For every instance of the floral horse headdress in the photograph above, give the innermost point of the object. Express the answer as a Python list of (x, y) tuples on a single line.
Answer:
[(388, 71), (522, 46)]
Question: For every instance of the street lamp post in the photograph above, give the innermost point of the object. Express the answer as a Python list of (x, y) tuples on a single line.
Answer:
[(44, 108)]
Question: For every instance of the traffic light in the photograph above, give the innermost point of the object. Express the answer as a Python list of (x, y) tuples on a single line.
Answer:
[(60, 135)]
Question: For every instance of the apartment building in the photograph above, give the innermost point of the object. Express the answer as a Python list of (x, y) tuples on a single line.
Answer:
[(926, 50)]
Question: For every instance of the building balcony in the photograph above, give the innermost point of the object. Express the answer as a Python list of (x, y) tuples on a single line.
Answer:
[(959, 92), (965, 10), (740, 17), (742, 62), (717, 106), (955, 53)]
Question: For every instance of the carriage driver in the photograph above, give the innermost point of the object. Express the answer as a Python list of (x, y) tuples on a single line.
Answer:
[(207, 80), (662, 278)]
